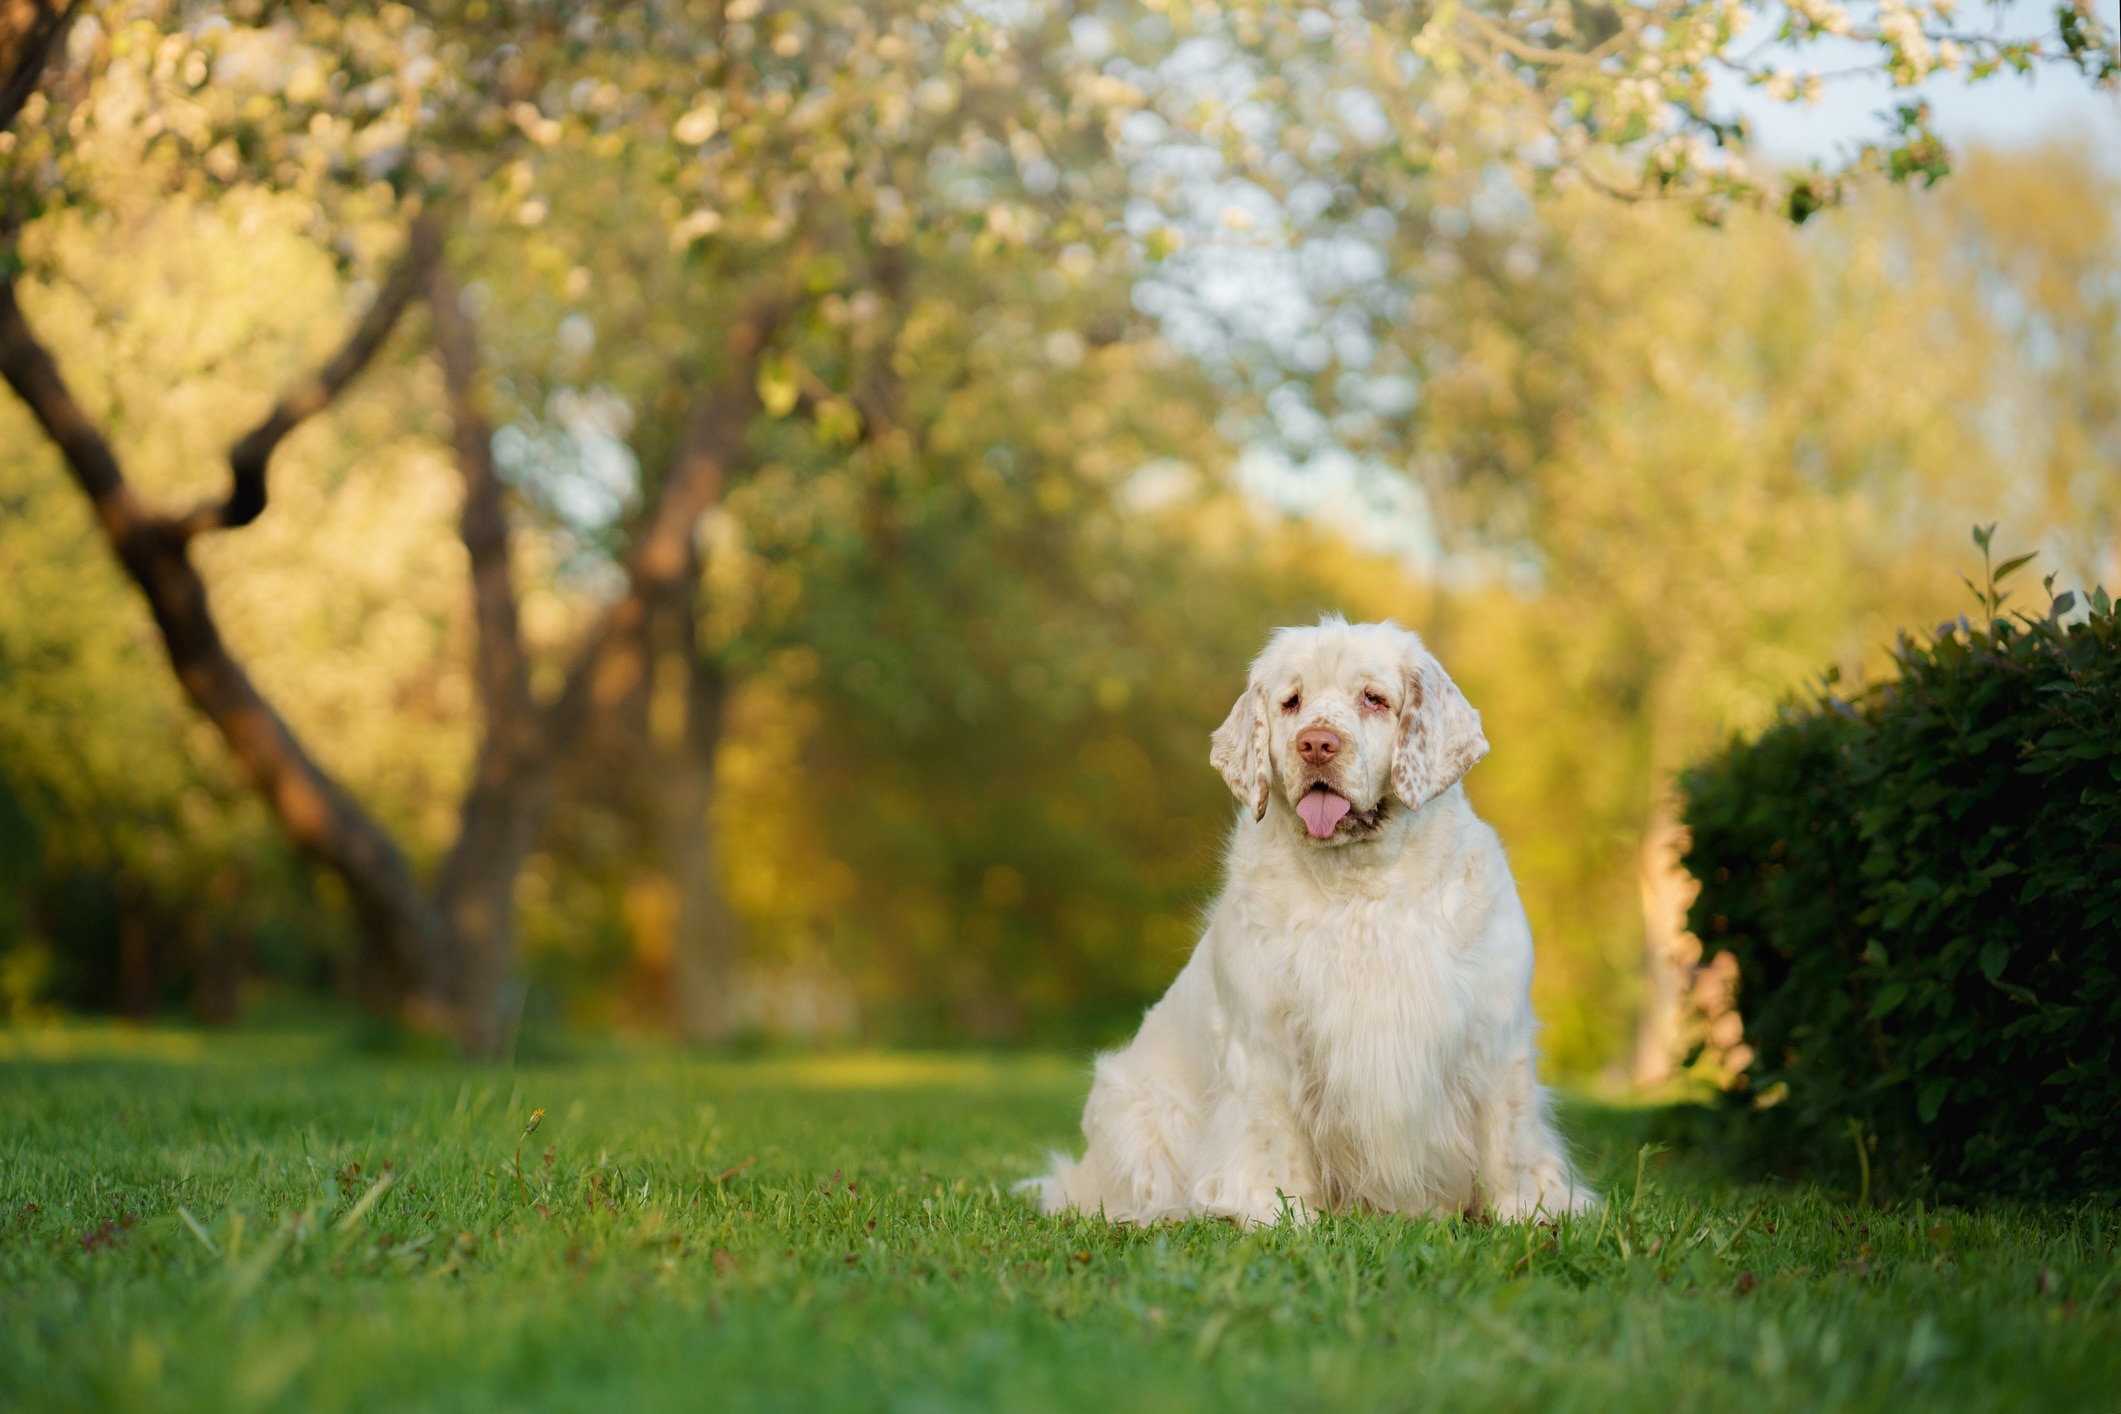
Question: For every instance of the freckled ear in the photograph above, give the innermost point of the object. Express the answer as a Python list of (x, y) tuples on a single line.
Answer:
[(1238, 749), (1439, 735)]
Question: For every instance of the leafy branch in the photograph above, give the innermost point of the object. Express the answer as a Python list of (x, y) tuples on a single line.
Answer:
[(1989, 592)]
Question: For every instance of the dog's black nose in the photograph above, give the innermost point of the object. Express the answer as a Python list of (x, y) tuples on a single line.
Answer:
[(1318, 746)]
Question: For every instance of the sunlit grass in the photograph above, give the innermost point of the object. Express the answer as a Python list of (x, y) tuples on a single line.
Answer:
[(213, 1225), (75, 1041)]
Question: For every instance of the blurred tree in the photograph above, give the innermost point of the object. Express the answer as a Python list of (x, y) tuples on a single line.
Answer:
[(1361, 247), (1732, 454), (824, 153), (154, 549), (345, 604), (2034, 234), (829, 161), (842, 250), (1011, 667)]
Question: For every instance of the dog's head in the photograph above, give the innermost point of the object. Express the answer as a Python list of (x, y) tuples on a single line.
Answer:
[(1342, 720)]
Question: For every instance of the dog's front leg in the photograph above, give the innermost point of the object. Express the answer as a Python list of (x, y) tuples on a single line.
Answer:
[(1525, 1171), (1253, 1163)]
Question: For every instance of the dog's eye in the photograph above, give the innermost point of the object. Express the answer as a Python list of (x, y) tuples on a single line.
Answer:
[(1293, 701), (1375, 701)]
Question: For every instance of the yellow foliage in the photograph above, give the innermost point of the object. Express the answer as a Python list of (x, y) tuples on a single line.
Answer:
[(1708, 463), (346, 599)]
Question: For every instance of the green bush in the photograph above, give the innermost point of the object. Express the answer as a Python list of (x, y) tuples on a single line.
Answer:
[(1922, 889)]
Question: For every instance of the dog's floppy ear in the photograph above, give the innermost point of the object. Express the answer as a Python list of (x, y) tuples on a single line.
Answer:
[(1439, 733), (1239, 749)]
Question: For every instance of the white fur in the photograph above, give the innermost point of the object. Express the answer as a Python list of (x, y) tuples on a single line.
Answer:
[(1355, 1028)]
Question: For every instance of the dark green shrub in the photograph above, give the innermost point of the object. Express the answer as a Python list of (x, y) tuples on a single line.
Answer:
[(1922, 889)]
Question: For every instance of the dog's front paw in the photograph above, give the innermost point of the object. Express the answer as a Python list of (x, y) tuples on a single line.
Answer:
[(1543, 1196), (1296, 1212), (1249, 1208)]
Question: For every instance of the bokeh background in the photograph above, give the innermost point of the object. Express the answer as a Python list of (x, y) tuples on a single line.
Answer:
[(1063, 429)]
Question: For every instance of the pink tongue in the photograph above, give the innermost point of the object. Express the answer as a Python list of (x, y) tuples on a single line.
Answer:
[(1321, 810)]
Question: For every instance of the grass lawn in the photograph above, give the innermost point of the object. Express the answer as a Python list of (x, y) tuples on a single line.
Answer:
[(204, 1224)]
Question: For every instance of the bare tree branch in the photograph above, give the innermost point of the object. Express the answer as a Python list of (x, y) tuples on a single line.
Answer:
[(1509, 43), (29, 31), (250, 457), (401, 942)]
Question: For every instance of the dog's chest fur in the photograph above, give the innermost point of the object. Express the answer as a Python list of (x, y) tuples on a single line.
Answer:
[(1366, 979)]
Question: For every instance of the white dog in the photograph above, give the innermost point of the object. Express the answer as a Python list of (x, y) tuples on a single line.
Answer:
[(1355, 1028)]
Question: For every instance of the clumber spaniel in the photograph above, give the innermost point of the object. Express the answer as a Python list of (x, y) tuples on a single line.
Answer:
[(1354, 1029)]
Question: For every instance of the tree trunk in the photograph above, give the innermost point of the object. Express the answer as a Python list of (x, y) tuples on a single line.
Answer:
[(504, 811), (139, 972), (476, 897), (220, 963), (685, 730), (1670, 953)]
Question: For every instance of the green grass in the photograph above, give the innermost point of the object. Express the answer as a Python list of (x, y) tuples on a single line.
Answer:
[(838, 1233)]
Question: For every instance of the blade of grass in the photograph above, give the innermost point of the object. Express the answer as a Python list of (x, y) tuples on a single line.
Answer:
[(198, 1230)]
